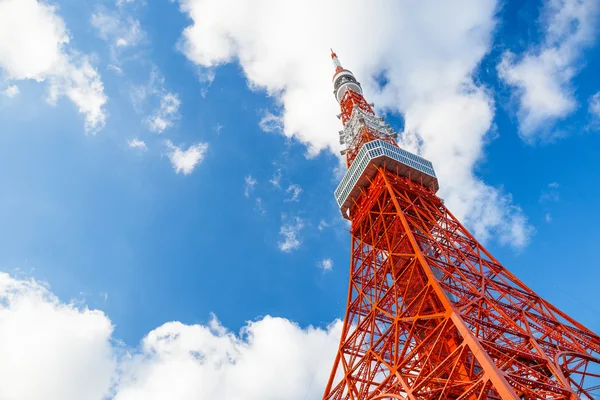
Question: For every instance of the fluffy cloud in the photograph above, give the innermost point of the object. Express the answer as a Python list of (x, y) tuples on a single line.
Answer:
[(51, 350), (165, 115), (322, 225), (290, 233), (136, 143), (550, 194), (11, 91), (594, 106), (260, 207), (326, 264), (34, 45), (121, 3), (294, 191), (425, 52), (70, 355), (249, 183), (120, 30), (542, 76), (208, 362), (276, 180), (185, 161), (271, 123), (166, 112)]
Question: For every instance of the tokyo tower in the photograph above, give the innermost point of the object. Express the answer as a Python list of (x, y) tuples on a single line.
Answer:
[(431, 314)]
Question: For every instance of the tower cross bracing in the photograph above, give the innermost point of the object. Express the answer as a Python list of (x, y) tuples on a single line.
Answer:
[(431, 314)]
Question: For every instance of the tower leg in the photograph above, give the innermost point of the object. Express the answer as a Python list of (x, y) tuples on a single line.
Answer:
[(432, 315)]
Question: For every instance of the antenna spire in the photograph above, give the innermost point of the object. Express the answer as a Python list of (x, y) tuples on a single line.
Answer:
[(336, 62)]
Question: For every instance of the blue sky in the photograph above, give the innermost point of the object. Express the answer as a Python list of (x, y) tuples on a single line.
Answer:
[(167, 161)]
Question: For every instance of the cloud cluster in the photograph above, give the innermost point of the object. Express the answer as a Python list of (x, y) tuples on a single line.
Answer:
[(51, 350), (249, 183), (413, 58), (136, 143), (548, 196), (260, 206), (542, 76), (271, 123), (326, 264), (119, 29), (165, 115), (34, 45), (276, 180), (294, 191), (594, 106), (290, 233), (69, 354), (11, 91), (184, 161), (208, 362)]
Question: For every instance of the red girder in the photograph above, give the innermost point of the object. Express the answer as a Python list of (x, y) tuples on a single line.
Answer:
[(432, 315)]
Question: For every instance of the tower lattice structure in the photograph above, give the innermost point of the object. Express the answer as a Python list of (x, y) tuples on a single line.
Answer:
[(431, 314)]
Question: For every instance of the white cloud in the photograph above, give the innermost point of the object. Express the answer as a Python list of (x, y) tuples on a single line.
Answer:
[(594, 106), (119, 29), (428, 52), (185, 161), (208, 362), (249, 183), (138, 94), (11, 91), (65, 350), (322, 225), (115, 68), (166, 112), (70, 355), (294, 191), (260, 207), (271, 123), (218, 128), (290, 233), (121, 3), (135, 143), (164, 117), (42, 36), (34, 45), (122, 31), (550, 194), (83, 86), (543, 75), (276, 180), (326, 264)]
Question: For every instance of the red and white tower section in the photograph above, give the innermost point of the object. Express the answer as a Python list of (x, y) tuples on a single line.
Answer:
[(431, 314)]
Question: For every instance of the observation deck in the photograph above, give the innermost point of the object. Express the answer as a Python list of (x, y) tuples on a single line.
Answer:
[(380, 154)]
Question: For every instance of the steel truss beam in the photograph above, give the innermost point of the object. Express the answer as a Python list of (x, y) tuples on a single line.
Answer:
[(433, 315)]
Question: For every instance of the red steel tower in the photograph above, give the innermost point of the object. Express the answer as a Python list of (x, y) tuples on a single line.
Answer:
[(431, 314)]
